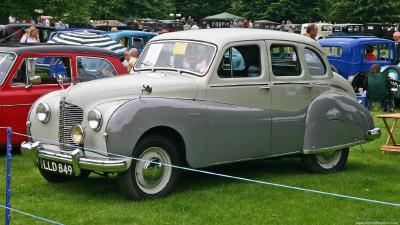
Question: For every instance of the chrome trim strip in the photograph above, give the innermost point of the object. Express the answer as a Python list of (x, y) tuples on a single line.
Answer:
[(249, 159), (16, 105), (369, 136)]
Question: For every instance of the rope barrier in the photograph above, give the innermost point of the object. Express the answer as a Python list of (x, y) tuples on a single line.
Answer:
[(30, 215), (227, 176)]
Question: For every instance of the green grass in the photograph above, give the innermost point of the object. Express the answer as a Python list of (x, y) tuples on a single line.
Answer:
[(204, 199)]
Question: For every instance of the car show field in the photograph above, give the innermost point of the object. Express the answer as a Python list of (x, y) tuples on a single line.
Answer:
[(206, 199)]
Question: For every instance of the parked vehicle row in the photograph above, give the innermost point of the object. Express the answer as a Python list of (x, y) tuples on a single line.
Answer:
[(197, 99)]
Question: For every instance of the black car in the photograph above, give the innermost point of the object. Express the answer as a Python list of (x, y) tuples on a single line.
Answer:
[(380, 30), (14, 32)]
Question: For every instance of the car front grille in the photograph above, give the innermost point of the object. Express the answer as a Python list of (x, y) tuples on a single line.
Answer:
[(69, 116)]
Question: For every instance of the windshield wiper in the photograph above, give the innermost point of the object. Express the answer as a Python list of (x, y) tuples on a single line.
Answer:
[(175, 67)]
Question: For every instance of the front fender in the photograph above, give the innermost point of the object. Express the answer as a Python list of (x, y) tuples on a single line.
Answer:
[(134, 118), (335, 121)]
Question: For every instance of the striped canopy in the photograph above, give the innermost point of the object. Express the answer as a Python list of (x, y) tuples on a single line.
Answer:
[(88, 39)]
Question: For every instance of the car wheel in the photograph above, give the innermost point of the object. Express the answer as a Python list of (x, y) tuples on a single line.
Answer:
[(53, 177), (326, 162), (147, 177)]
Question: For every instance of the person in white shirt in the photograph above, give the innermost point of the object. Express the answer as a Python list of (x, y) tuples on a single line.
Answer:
[(130, 59), (31, 36), (195, 27)]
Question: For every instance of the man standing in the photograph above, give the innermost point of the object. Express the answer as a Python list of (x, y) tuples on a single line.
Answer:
[(312, 31), (396, 38)]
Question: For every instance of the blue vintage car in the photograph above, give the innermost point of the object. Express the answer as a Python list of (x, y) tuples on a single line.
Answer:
[(348, 55), (131, 39)]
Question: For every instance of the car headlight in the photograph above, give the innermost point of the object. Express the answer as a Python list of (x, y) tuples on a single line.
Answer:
[(95, 119), (77, 134), (43, 112)]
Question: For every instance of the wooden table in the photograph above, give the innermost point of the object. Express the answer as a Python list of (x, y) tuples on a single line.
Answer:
[(391, 145)]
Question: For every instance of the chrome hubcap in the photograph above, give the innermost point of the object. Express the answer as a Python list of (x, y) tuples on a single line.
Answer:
[(328, 160), (152, 170), (151, 173)]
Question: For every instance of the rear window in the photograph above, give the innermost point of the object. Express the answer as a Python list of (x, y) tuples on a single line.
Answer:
[(285, 61), (333, 51)]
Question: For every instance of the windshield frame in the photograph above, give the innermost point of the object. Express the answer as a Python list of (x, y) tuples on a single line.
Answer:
[(9, 69), (170, 68)]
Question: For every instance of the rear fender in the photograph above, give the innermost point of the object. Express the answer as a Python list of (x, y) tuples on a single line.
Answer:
[(335, 121)]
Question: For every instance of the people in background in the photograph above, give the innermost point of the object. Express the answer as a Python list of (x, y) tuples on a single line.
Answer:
[(195, 27), (378, 87), (11, 19), (31, 36), (369, 53), (396, 38), (130, 59), (311, 31)]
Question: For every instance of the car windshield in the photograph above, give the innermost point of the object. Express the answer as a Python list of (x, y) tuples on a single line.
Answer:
[(6, 62), (191, 57)]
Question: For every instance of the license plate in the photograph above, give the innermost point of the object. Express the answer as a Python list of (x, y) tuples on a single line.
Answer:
[(57, 167)]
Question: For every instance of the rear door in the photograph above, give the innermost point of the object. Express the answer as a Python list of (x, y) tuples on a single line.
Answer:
[(291, 94)]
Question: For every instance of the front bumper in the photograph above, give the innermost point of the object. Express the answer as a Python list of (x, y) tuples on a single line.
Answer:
[(76, 158)]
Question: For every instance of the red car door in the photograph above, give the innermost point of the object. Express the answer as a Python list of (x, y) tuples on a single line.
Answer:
[(34, 75)]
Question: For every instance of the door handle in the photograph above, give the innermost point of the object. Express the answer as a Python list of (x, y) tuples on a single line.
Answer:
[(266, 87), (308, 85)]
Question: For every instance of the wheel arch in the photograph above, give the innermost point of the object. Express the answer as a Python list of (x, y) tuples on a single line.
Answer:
[(171, 134)]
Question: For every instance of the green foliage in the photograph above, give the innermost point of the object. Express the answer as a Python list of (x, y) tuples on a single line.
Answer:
[(362, 11), (298, 11)]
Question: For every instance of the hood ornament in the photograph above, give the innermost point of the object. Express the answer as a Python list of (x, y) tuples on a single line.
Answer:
[(60, 80), (147, 89)]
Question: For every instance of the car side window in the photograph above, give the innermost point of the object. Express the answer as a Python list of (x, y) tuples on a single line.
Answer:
[(285, 60), (42, 71), (90, 68), (240, 61), (315, 65), (377, 52), (137, 43)]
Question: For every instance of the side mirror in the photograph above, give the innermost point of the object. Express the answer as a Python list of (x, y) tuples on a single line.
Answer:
[(35, 79)]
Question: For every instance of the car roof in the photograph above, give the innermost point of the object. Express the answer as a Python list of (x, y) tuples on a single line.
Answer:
[(221, 36), (18, 49), (129, 33), (23, 25), (351, 41), (347, 24)]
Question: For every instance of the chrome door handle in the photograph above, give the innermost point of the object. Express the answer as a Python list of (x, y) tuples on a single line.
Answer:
[(308, 85), (266, 87)]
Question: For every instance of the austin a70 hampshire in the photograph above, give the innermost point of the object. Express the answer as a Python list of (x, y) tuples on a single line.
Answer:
[(201, 98)]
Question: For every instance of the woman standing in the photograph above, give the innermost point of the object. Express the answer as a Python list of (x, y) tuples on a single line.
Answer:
[(31, 36)]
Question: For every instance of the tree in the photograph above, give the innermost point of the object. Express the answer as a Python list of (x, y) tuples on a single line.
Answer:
[(363, 11)]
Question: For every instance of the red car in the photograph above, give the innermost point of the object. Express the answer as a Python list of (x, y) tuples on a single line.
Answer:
[(28, 72)]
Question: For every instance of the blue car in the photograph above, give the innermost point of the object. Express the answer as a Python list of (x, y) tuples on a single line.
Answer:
[(349, 55), (131, 38)]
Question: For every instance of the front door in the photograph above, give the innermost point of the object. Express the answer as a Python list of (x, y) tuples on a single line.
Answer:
[(36, 75), (238, 99), (291, 94)]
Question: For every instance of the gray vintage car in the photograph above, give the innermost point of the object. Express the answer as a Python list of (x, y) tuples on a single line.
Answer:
[(197, 99)]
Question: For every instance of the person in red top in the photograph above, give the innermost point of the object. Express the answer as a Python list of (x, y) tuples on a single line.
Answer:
[(369, 56)]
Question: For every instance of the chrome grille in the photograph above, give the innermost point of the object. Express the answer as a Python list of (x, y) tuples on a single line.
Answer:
[(69, 115)]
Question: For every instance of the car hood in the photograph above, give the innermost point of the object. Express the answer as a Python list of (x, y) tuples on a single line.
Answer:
[(169, 85)]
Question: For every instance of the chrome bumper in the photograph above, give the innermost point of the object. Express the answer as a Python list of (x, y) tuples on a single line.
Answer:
[(373, 134), (76, 158)]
